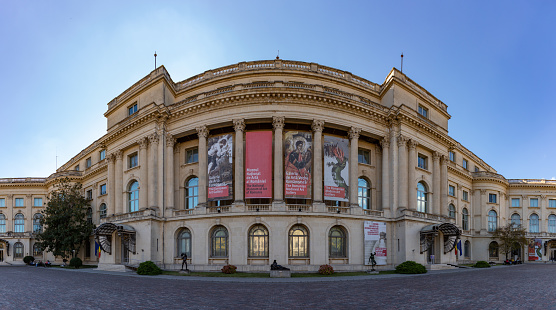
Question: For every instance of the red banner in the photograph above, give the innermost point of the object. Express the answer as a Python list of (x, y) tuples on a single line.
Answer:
[(258, 164)]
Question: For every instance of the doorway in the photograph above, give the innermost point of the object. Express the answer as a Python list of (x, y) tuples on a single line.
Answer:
[(1, 255), (125, 254)]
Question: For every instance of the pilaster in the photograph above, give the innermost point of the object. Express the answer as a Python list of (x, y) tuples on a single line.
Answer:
[(278, 123), (354, 165), (202, 132), (239, 127), (317, 126)]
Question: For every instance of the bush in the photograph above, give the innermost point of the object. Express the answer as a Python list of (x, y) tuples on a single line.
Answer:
[(148, 268), (28, 259), (229, 269), (481, 264), (410, 267), (76, 262), (326, 269)]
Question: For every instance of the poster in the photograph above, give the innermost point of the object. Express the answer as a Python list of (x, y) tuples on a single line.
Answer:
[(258, 164), (336, 168), (375, 242), (535, 250), (298, 164), (220, 168)]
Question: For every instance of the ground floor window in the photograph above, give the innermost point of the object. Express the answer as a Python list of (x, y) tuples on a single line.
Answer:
[(37, 251), (219, 242), (184, 243), (258, 241), (467, 249), (337, 242), (493, 250), (298, 242), (18, 250)]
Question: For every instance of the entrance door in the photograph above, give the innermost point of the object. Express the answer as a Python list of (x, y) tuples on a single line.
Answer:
[(1, 255), (552, 254), (430, 254), (125, 254)]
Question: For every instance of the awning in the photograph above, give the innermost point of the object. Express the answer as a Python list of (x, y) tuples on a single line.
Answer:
[(7, 246), (450, 232), (103, 236)]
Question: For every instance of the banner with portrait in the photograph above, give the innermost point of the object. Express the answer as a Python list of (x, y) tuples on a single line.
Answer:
[(534, 250), (298, 149), (336, 168), (375, 243), (220, 167), (258, 164)]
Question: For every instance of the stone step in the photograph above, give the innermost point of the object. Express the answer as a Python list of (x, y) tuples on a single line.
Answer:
[(440, 266)]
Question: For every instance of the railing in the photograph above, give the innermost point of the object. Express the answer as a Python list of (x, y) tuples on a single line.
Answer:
[(339, 210), (428, 216), (129, 216), (258, 207), (183, 212), (373, 212), (531, 181), (23, 180), (299, 207), (539, 235), (220, 209)]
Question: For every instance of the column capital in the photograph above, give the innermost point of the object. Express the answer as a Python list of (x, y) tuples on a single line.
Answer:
[(354, 133), (435, 156), (483, 191), (170, 140), (393, 123), (119, 154), (28, 196), (443, 159), (153, 138), (412, 144), (10, 196), (402, 141), (111, 158), (239, 125), (318, 125), (378, 151), (384, 143), (202, 131), (143, 142), (278, 122)]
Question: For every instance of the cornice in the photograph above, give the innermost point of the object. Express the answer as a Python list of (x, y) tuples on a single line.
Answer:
[(466, 174)]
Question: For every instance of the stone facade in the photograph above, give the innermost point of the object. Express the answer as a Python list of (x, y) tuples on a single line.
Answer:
[(148, 176)]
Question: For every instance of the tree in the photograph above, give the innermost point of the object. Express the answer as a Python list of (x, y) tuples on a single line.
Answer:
[(511, 237), (65, 220)]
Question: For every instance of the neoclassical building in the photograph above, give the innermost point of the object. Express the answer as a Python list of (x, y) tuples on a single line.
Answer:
[(288, 161)]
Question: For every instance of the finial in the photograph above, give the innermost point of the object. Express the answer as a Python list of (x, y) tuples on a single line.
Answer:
[(155, 60)]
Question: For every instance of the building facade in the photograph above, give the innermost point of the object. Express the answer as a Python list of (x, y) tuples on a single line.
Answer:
[(288, 161)]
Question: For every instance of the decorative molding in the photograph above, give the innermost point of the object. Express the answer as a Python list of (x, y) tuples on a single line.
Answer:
[(170, 140), (143, 143), (278, 122), (202, 132), (318, 125), (354, 133), (384, 143), (483, 191), (435, 156), (239, 125), (154, 138), (412, 144), (119, 154), (402, 141)]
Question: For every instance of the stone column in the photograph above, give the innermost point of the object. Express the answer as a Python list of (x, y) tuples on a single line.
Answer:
[(318, 126), (10, 214), (143, 173), (444, 185), (111, 190), (118, 180), (153, 180), (353, 165), (385, 174), (160, 185), (202, 132), (402, 172), (393, 168), (435, 183), (239, 180), (169, 177), (412, 185), (278, 123), (378, 184), (483, 213)]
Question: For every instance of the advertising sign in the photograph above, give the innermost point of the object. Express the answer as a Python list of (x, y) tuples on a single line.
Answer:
[(258, 164), (336, 168), (535, 250), (220, 168), (298, 164), (375, 242)]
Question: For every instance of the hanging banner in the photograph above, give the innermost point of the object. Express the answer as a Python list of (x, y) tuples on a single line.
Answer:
[(220, 168), (258, 164), (535, 250), (336, 168), (375, 242), (299, 162)]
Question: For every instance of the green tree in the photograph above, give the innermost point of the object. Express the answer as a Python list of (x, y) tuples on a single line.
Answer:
[(511, 237), (65, 220)]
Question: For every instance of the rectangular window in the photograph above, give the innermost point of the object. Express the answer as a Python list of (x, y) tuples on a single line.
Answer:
[(423, 111), (464, 164), (133, 160), (534, 203), (364, 157), (37, 202), (451, 190), (551, 203), (476, 169), (192, 156), (102, 154), (492, 198), (452, 156), (515, 202), (103, 189), (422, 161), (465, 196), (19, 202), (2, 202), (77, 168), (88, 162), (132, 109), (90, 194)]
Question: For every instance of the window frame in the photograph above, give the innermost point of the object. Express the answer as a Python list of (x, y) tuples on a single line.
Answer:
[(452, 156), (192, 155), (2, 223), (518, 205), (259, 240), (536, 204), (103, 210), (465, 195), (37, 251), (102, 189), (35, 199), (451, 190), (335, 250), (184, 242), (493, 250), (37, 227), (492, 198), (18, 246), (132, 160), (302, 250), (365, 155), (422, 198), (132, 109), (465, 219), (492, 221), (2, 202), (515, 219), (364, 194), (552, 203), (133, 197), (88, 163), (534, 223), (102, 154), (422, 161), (552, 223), (219, 244), (191, 198), (19, 223), (16, 202), (423, 111), (465, 164), (451, 211)]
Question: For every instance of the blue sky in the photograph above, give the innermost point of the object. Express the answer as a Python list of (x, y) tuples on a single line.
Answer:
[(491, 62)]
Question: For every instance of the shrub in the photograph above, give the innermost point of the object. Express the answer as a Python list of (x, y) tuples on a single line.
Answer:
[(148, 268), (28, 259), (76, 262), (481, 264), (410, 267), (326, 269), (229, 269)]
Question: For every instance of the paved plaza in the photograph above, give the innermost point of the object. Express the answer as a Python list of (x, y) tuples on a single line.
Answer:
[(529, 286)]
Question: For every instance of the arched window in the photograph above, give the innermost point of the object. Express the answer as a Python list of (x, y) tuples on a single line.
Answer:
[(516, 219), (534, 223), (467, 249), (37, 227), (2, 223), (133, 196), (298, 241), (192, 193), (37, 251), (19, 223), (258, 241), (18, 250), (364, 193), (492, 220), (552, 223), (219, 242), (452, 211), (337, 242), (465, 219), (493, 250), (422, 198), (90, 215), (184, 242), (102, 210)]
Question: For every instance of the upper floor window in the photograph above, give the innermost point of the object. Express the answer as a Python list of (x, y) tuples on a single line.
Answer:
[(132, 109), (102, 154), (422, 161), (2, 223), (465, 196), (19, 223), (492, 220), (423, 111), (19, 202), (465, 219), (516, 219), (364, 194), (192, 156), (534, 223), (192, 193), (451, 190), (492, 198), (37, 202), (515, 202), (133, 160), (534, 203), (552, 223), (452, 156), (102, 210), (77, 168), (37, 227), (133, 197), (452, 211), (88, 162), (551, 203), (2, 202), (465, 164), (90, 215), (364, 157), (90, 194), (103, 189), (422, 197), (476, 169)]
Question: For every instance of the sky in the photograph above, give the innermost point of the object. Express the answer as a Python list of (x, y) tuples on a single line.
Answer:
[(491, 62)]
